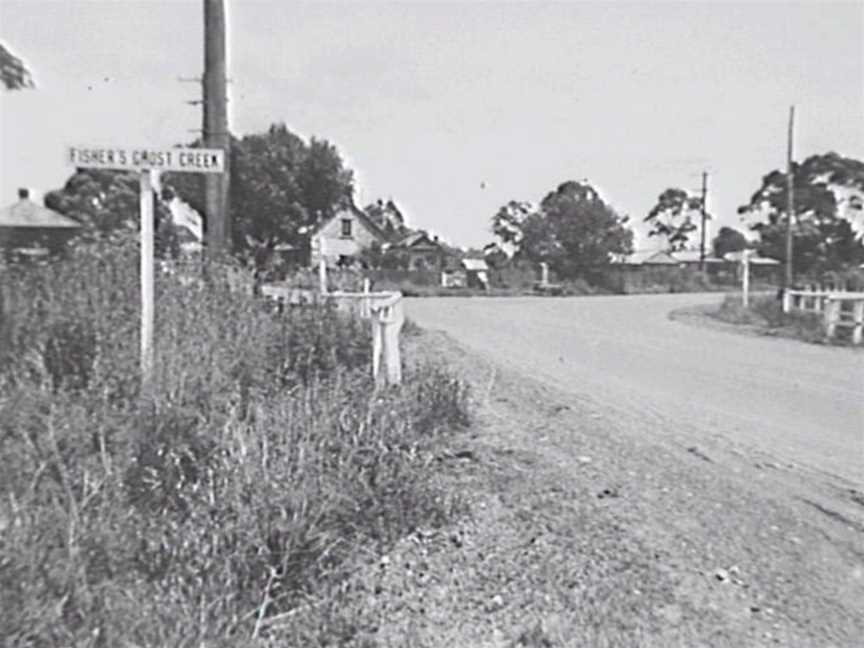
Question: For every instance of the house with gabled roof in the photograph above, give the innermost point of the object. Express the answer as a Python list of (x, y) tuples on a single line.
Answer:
[(422, 251), (341, 238), (30, 228), (646, 257)]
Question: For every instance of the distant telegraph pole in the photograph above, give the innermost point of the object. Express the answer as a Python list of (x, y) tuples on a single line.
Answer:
[(215, 126), (704, 219), (790, 197)]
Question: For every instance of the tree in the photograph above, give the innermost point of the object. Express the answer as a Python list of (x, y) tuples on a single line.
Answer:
[(671, 218), (496, 257), (14, 75), (573, 230), (823, 236), (508, 221), (388, 217), (105, 201), (728, 240), (280, 187)]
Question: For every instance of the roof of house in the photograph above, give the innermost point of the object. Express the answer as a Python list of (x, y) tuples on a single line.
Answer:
[(416, 238), (753, 259), (357, 213), (26, 213), (694, 256), (649, 257), (474, 264)]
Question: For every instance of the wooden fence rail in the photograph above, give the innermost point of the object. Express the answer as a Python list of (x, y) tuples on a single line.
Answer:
[(839, 309)]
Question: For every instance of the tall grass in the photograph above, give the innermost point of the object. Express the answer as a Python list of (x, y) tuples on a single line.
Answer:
[(263, 464)]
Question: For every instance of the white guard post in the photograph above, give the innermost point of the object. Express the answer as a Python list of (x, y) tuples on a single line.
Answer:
[(544, 273), (387, 321), (745, 278), (365, 305), (384, 309), (322, 269)]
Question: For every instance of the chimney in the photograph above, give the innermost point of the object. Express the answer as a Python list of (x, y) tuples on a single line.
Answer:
[(23, 193)]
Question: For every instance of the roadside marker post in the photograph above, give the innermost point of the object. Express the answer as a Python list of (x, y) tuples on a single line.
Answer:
[(148, 163), (745, 278)]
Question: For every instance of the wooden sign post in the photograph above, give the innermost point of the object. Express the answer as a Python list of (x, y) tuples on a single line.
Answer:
[(148, 163), (148, 292)]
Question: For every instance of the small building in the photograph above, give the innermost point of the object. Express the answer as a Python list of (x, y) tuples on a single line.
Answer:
[(692, 259), (646, 257), (421, 252), (32, 229), (341, 238), (760, 267), (476, 273)]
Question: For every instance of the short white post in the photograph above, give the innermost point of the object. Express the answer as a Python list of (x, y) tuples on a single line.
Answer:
[(831, 315), (544, 273), (147, 290), (787, 300), (858, 318), (391, 344), (365, 306), (745, 279), (377, 345), (322, 275)]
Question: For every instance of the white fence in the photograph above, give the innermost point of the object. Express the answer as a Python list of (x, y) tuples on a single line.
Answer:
[(839, 309), (383, 309)]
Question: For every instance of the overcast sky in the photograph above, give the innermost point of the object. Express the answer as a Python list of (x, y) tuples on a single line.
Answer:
[(454, 109)]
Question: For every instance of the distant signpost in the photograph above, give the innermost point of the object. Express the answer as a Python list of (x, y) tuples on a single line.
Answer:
[(147, 162)]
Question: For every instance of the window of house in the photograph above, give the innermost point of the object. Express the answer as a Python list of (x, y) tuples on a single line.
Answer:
[(346, 227)]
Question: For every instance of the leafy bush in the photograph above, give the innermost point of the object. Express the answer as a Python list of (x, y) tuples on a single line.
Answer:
[(264, 463)]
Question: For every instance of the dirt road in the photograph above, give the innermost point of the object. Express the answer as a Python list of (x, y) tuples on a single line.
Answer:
[(795, 403), (634, 482)]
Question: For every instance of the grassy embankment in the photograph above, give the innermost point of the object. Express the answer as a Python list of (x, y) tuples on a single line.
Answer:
[(765, 316), (263, 468)]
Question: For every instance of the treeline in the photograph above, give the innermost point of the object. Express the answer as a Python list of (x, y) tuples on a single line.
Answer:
[(573, 229)]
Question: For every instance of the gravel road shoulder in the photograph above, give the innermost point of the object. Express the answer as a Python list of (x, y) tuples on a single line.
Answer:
[(583, 535)]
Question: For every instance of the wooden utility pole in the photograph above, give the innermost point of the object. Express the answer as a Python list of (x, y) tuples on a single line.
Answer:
[(704, 219), (790, 200), (215, 127)]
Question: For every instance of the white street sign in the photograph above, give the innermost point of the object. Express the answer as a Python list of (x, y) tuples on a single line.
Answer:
[(123, 158), (148, 163)]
